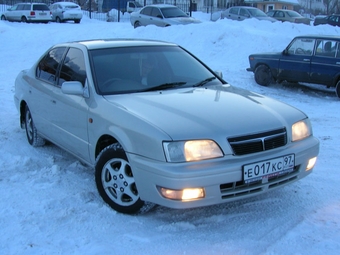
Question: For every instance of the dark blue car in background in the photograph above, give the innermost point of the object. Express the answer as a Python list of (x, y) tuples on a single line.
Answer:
[(309, 59)]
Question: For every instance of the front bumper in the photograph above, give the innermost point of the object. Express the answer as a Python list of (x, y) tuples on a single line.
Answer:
[(220, 178)]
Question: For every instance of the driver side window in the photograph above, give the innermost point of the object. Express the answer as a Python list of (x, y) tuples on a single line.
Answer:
[(302, 46), (156, 13), (73, 67)]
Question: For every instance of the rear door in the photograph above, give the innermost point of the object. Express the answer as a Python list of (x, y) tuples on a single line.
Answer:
[(295, 64), (325, 65)]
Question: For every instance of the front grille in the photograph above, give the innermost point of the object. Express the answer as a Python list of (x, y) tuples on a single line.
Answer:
[(248, 144), (239, 189)]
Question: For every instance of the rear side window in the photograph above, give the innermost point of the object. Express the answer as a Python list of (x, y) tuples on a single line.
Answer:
[(21, 7), (47, 68), (73, 67)]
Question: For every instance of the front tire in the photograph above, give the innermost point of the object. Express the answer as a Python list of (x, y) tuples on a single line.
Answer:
[(115, 181), (263, 75), (3, 17), (137, 24), (337, 89), (31, 132), (24, 19)]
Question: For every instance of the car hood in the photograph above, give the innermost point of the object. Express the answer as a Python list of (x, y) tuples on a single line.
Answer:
[(266, 18), (182, 20), (215, 111), (267, 54)]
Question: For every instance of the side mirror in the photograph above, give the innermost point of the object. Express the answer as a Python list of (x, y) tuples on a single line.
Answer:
[(74, 88), (219, 74), (285, 52)]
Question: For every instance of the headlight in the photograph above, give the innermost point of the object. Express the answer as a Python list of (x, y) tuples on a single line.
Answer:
[(191, 150), (301, 130)]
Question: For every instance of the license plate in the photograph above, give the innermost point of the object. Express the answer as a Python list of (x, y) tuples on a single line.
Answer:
[(268, 168), (43, 13)]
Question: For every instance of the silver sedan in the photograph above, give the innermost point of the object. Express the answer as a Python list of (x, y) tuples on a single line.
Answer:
[(159, 126), (162, 15)]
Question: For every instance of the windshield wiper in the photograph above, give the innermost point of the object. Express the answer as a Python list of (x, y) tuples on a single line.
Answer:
[(201, 83), (166, 86)]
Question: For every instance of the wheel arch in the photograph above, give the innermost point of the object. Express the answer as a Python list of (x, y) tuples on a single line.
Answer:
[(274, 71), (336, 80), (103, 142), (22, 109)]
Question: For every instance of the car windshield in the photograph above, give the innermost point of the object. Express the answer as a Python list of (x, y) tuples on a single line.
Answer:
[(173, 12), (257, 13), (148, 68), (293, 14)]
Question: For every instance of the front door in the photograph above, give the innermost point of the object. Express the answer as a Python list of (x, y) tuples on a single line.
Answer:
[(295, 63)]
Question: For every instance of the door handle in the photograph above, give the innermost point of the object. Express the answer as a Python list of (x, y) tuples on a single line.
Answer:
[(306, 59)]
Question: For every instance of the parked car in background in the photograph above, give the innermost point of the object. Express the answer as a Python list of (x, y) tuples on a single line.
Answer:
[(289, 16), (333, 20), (28, 12), (65, 11), (309, 59), (162, 15), (245, 12), (140, 112)]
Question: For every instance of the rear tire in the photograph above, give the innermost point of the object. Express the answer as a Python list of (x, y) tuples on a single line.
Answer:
[(115, 181), (31, 132), (77, 21), (24, 19), (58, 20), (263, 75)]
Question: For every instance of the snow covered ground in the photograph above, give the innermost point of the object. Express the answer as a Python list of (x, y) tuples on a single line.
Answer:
[(48, 200)]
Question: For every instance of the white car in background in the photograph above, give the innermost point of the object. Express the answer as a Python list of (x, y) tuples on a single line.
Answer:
[(162, 15), (64, 11), (28, 12)]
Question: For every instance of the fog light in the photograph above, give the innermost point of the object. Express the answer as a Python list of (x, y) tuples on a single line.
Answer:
[(311, 163), (184, 194)]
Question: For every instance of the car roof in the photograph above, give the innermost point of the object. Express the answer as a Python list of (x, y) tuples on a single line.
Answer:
[(31, 3), (117, 42), (244, 7), (161, 5), (284, 10), (65, 3), (329, 37)]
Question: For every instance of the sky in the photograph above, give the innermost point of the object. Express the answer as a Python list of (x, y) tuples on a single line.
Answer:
[(48, 200)]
